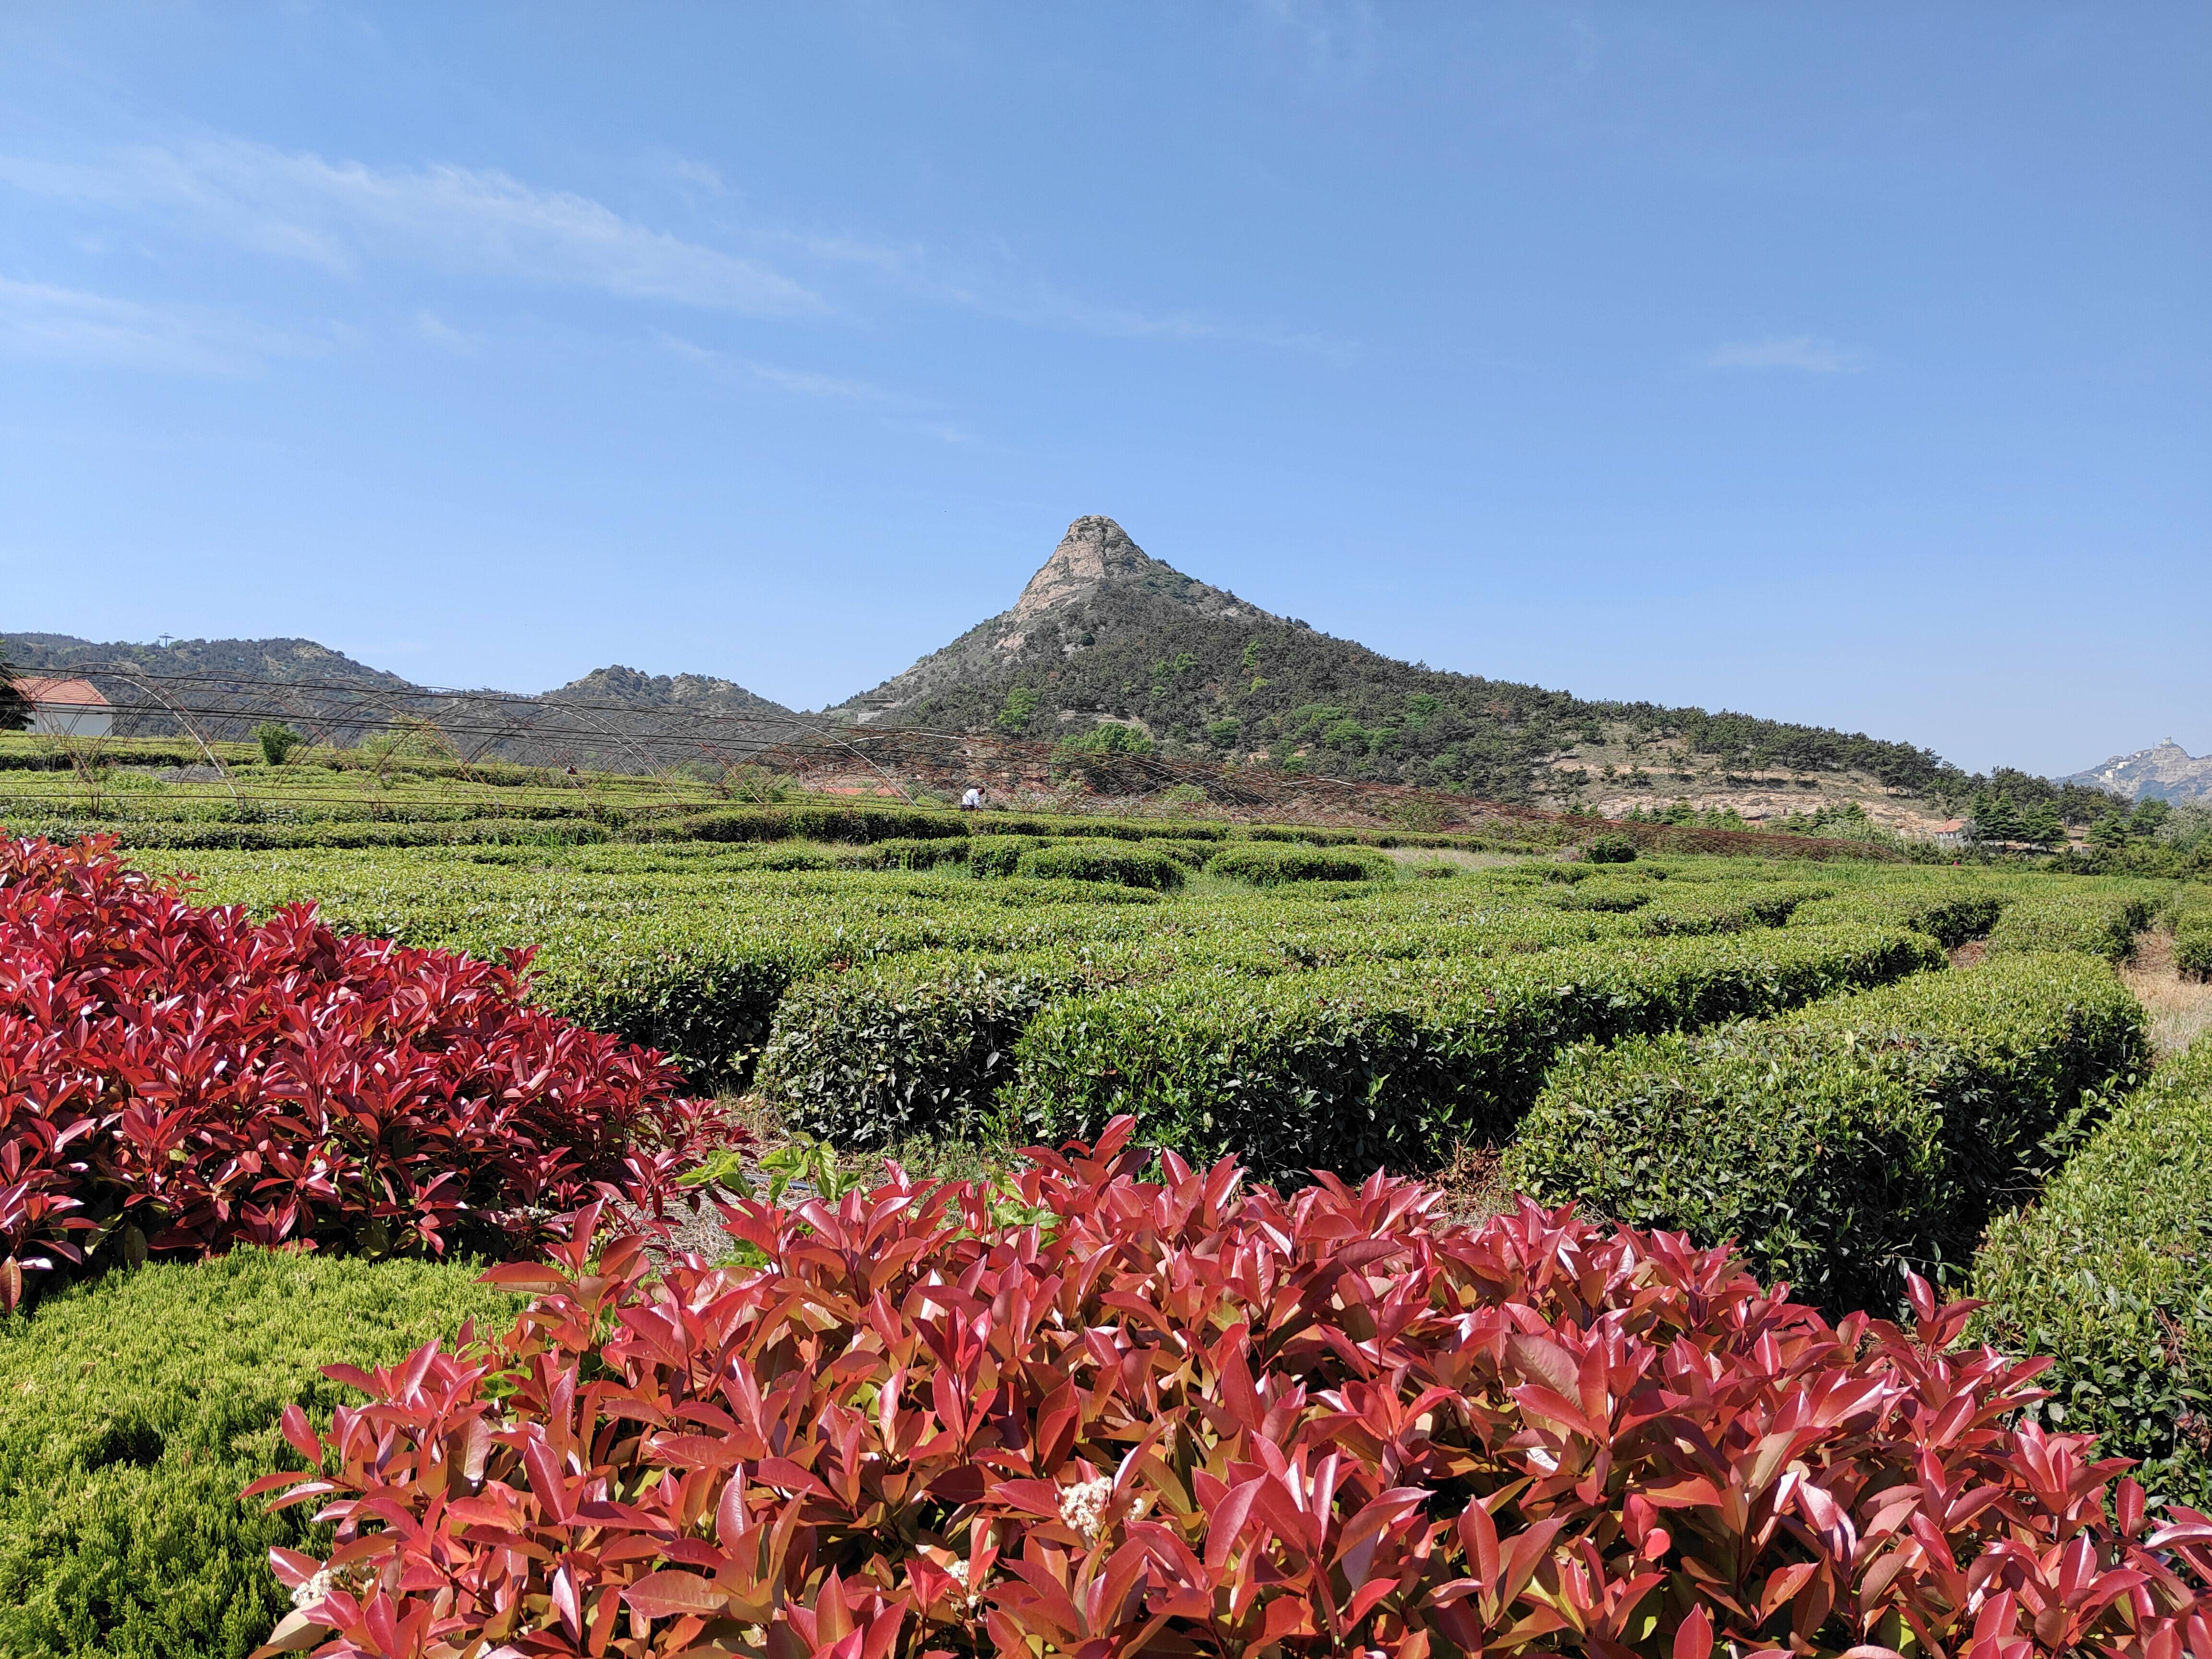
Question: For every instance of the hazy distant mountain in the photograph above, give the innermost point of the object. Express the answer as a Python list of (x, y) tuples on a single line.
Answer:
[(243, 661), (664, 692), (2165, 771), (1103, 631), (613, 717)]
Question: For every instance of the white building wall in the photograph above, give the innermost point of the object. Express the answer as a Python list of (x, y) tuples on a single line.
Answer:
[(70, 720)]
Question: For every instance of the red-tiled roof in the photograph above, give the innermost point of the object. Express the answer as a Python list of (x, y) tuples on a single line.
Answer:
[(80, 693), (1948, 827)]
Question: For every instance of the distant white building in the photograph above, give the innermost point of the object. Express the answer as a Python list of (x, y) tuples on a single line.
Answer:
[(66, 708), (1951, 832)]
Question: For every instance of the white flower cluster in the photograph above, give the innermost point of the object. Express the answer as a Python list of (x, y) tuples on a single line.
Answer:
[(959, 1571), (315, 1589), (1083, 1506)]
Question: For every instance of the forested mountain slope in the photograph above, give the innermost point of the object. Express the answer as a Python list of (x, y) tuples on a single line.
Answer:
[(1105, 633)]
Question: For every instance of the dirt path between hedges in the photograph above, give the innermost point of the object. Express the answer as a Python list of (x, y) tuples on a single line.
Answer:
[(2180, 1010)]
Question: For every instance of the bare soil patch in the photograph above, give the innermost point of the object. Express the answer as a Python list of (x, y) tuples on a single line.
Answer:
[(2181, 1009)]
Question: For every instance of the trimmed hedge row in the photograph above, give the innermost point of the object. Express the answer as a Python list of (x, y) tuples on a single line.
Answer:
[(922, 1043), (135, 1407), (1387, 1063), (863, 824), (694, 966), (1121, 864), (2111, 1273), (2191, 911), (1271, 864), (667, 945), (1950, 917), (335, 835), (2098, 924), (1876, 1132)]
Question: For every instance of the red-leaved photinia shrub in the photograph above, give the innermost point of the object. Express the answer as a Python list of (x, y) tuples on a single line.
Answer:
[(175, 1078), (1102, 1415)]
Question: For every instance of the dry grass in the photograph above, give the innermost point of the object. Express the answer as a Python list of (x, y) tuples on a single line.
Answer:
[(2180, 1010), (1469, 1182), (1463, 857)]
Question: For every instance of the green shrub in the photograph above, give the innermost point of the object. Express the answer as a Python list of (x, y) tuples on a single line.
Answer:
[(1120, 863), (866, 1059), (1387, 1063), (1269, 864), (334, 835), (999, 856), (278, 742), (1614, 847), (1947, 916), (1303, 835), (2109, 1273), (2191, 911), (1873, 1131), (857, 824), (910, 854), (134, 1408), (2099, 924)]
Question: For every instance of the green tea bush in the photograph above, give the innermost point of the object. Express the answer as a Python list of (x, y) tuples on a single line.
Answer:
[(2109, 1273), (1120, 863), (135, 1407), (861, 825), (693, 966), (1270, 864), (866, 1059), (1947, 916), (1869, 1134), (1386, 1064), (1614, 847), (1302, 833), (333, 834), (999, 856), (2099, 924), (910, 854), (921, 1043), (2190, 909)]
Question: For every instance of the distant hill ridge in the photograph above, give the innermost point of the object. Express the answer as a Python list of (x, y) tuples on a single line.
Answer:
[(226, 688), (1104, 632)]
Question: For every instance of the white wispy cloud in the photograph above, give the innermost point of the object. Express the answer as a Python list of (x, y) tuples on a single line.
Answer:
[(481, 221), (1803, 352), (63, 324), (807, 383), (437, 332)]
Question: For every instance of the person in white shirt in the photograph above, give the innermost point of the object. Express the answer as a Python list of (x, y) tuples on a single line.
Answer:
[(972, 801)]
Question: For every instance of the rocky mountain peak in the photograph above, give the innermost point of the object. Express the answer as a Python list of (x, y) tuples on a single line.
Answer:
[(2164, 770), (1096, 552)]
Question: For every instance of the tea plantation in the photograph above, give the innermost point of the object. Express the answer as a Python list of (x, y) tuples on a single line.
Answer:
[(1851, 1070)]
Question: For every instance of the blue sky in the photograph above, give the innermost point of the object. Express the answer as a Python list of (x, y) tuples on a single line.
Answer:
[(1842, 364)]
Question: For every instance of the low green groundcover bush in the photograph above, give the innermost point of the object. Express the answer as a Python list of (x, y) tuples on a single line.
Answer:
[(1868, 1133), (2111, 1271), (133, 1410), (1270, 864), (1124, 864)]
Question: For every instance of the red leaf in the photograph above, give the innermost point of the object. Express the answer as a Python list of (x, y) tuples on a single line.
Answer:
[(671, 1594)]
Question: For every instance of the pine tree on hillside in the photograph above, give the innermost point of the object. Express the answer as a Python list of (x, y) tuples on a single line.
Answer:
[(1996, 819), (2042, 825)]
